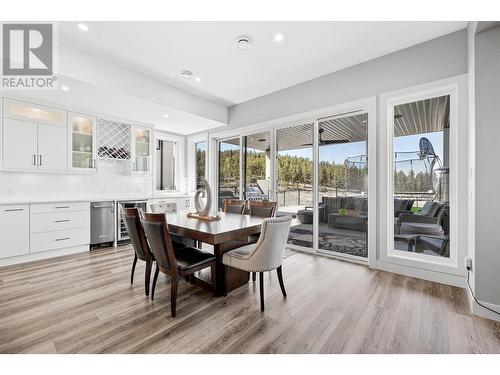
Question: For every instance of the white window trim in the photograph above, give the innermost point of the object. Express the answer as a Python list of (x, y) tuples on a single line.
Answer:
[(191, 159), (456, 87)]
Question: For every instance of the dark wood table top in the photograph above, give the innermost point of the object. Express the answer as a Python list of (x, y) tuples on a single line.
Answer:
[(230, 227)]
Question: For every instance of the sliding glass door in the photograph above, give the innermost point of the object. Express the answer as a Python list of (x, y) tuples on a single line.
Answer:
[(317, 171), (294, 151), (229, 170), (257, 166), (343, 185)]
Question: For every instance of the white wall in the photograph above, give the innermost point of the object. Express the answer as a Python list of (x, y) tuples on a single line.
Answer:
[(430, 61), (487, 169)]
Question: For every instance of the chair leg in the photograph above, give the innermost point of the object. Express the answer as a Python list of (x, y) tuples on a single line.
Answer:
[(157, 271), (254, 276), (173, 295), (149, 264), (133, 268), (214, 279), (261, 284), (280, 279)]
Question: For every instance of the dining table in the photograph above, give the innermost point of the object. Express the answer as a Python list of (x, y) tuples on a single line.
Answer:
[(228, 233)]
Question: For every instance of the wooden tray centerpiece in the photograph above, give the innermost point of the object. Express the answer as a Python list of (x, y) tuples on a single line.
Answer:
[(198, 216)]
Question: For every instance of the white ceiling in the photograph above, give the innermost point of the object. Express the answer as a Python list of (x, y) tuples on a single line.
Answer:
[(310, 49)]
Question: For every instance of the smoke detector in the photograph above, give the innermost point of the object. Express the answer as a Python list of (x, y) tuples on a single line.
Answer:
[(243, 42)]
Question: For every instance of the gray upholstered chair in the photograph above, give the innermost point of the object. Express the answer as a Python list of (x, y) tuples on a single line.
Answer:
[(265, 255), (431, 213)]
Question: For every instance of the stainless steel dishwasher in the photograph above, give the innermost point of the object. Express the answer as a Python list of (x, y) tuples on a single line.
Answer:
[(102, 224)]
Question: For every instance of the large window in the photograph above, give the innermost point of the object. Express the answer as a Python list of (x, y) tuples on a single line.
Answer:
[(200, 161), (229, 170), (165, 174), (257, 166), (421, 177)]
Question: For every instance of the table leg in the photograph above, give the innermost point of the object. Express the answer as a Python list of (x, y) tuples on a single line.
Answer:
[(228, 278)]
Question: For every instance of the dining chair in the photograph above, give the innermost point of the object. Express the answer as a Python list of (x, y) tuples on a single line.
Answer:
[(260, 208), (139, 242), (235, 206), (265, 255), (177, 263)]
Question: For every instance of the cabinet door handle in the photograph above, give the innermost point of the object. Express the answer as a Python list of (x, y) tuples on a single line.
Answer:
[(39, 160), (62, 221), (61, 207), (62, 239), (14, 209), (34, 159)]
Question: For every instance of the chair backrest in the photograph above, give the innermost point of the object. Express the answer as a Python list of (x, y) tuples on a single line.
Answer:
[(156, 229), (262, 208), (132, 221), (432, 209), (234, 206), (162, 207), (271, 245)]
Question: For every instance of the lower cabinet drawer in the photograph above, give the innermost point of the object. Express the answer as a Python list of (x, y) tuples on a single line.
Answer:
[(54, 221), (59, 239), (59, 207)]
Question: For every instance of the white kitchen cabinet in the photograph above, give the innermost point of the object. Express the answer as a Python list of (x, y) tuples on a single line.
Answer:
[(59, 225), (14, 230), (82, 142), (20, 145), (31, 146), (141, 151), (52, 143)]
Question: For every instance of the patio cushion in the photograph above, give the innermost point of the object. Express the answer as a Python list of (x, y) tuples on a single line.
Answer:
[(430, 208)]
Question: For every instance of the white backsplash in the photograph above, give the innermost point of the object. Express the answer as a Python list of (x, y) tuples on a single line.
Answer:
[(20, 186)]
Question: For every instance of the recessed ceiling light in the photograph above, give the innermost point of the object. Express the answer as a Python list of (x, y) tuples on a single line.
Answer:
[(197, 79), (83, 27), (279, 38), (243, 42), (165, 115), (187, 74), (65, 88)]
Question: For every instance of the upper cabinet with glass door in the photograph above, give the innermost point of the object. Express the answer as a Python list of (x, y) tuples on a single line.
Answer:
[(82, 142), (141, 151)]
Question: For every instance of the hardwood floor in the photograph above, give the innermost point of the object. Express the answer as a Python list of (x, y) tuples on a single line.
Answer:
[(85, 304)]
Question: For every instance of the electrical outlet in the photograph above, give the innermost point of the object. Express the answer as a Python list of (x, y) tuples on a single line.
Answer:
[(12, 191), (468, 263)]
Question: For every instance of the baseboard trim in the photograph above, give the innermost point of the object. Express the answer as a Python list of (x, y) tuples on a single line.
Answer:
[(419, 273), (43, 255), (480, 311)]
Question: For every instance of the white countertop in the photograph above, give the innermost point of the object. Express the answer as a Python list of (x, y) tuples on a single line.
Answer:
[(17, 200)]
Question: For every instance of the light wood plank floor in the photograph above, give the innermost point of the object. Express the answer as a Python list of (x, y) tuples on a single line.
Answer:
[(85, 304)]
